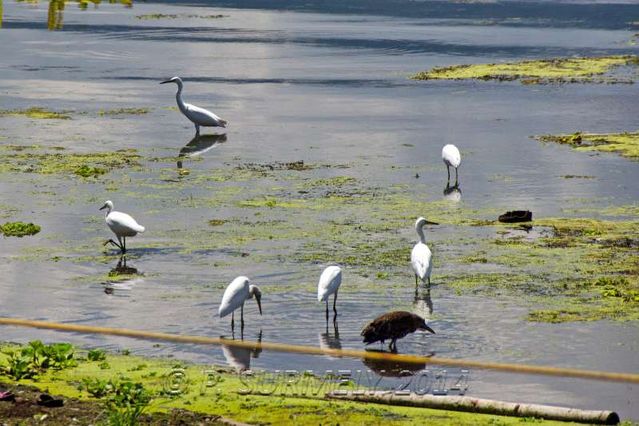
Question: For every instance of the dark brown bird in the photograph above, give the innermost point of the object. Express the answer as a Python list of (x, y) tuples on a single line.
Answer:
[(392, 326)]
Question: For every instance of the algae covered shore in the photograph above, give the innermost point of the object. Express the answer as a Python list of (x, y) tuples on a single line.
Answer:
[(121, 388)]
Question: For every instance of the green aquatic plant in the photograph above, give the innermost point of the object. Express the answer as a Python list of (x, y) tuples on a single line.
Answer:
[(52, 160), (124, 111), (19, 229), (36, 113), (544, 71), (626, 143), (35, 358)]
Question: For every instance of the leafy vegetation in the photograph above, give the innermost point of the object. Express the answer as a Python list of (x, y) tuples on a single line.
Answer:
[(35, 358)]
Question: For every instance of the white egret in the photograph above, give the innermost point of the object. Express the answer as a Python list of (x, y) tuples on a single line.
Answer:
[(452, 158), (121, 224), (238, 292), (199, 116), (329, 283), (421, 258)]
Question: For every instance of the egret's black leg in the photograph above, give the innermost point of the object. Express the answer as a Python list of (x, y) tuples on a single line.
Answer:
[(416, 281), (112, 242), (197, 130), (448, 170), (233, 320), (124, 241), (429, 281), (334, 302), (122, 248), (242, 318), (456, 177), (327, 309)]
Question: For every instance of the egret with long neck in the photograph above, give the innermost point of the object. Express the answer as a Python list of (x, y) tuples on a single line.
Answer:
[(421, 258), (121, 224), (238, 292), (199, 116)]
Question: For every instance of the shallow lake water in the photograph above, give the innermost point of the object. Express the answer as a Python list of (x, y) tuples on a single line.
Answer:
[(328, 86)]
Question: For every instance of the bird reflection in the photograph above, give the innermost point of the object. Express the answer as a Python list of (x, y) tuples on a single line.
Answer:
[(122, 277), (452, 193), (199, 145), (240, 358), (391, 368), (423, 305), (326, 341)]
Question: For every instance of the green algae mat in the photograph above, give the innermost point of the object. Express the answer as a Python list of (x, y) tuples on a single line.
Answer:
[(544, 71), (125, 387), (626, 144)]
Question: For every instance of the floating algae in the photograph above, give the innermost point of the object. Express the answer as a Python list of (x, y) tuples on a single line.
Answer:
[(219, 391), (626, 143), (18, 229), (38, 159), (152, 16), (36, 113), (585, 269), (124, 111), (544, 71)]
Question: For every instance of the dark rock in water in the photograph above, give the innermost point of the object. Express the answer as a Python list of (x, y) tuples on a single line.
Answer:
[(516, 216)]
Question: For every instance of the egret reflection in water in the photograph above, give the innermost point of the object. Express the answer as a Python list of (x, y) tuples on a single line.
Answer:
[(452, 193), (199, 145), (240, 358), (423, 305), (122, 277), (328, 341)]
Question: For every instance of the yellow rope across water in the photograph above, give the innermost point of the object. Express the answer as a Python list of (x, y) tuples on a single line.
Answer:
[(311, 350)]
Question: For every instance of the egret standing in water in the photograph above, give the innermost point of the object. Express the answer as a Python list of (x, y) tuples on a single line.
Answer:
[(329, 283), (238, 292), (421, 258), (199, 116), (121, 224), (452, 158)]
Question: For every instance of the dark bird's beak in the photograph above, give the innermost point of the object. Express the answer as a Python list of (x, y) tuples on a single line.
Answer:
[(259, 304), (428, 222), (103, 207), (427, 328), (167, 81)]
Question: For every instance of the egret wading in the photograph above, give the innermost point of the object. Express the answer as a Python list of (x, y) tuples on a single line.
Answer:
[(421, 258), (121, 224), (452, 158), (329, 283), (392, 326), (238, 292), (199, 116)]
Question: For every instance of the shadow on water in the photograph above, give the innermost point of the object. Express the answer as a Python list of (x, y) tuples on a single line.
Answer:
[(452, 193), (199, 145), (240, 358)]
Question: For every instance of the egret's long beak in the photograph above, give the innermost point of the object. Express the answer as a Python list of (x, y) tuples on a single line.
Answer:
[(427, 328), (103, 207), (428, 222), (167, 81), (259, 304)]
